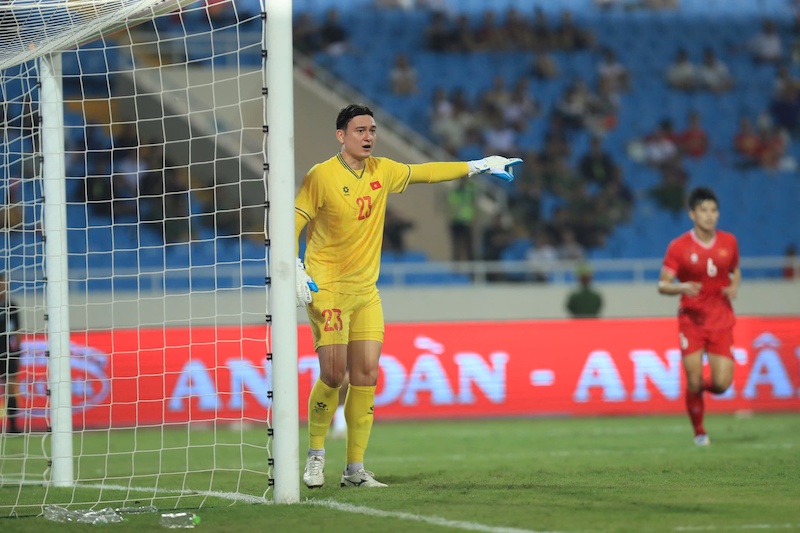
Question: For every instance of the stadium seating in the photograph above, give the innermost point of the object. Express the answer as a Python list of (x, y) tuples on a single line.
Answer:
[(754, 202), (645, 42)]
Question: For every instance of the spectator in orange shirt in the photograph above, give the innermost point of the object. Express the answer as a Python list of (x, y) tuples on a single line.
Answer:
[(746, 144), (772, 147), (693, 141)]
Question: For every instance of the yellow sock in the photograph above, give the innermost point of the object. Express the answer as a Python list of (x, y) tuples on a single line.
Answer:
[(358, 411), (322, 404)]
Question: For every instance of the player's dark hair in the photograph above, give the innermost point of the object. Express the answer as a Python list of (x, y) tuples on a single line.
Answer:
[(348, 113), (700, 195)]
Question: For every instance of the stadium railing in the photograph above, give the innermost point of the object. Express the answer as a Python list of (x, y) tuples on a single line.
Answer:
[(207, 277)]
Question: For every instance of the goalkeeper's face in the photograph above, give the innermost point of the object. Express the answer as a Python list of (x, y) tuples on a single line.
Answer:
[(358, 137)]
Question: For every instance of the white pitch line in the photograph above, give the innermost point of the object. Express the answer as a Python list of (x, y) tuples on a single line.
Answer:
[(739, 528), (434, 520), (237, 496), (349, 508), (233, 496), (344, 507)]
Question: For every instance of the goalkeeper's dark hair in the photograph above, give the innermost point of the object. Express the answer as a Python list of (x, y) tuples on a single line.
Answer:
[(348, 113), (700, 195)]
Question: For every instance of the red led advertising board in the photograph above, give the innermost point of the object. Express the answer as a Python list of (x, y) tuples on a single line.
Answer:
[(124, 378)]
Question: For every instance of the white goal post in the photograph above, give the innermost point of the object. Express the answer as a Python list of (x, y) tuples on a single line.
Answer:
[(148, 243)]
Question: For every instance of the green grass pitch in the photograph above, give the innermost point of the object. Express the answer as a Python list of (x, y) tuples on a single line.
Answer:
[(570, 475)]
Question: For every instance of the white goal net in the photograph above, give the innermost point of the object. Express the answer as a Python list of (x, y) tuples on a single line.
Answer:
[(133, 244)]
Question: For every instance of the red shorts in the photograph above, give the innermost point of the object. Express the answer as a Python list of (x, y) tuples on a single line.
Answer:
[(713, 341)]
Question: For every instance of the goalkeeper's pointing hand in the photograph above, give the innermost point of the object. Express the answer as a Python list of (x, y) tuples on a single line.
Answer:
[(304, 285), (498, 166)]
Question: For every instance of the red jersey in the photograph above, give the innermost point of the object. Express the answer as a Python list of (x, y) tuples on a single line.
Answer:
[(693, 142), (710, 264)]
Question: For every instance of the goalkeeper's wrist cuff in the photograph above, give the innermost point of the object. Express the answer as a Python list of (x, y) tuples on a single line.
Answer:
[(477, 166)]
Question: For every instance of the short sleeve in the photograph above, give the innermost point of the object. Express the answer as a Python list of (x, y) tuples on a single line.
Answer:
[(734, 254), (672, 257)]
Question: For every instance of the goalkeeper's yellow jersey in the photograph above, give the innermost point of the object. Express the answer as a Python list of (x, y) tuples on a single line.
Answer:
[(345, 212)]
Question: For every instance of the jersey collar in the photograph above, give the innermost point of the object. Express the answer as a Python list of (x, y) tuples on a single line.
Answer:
[(709, 244), (348, 167)]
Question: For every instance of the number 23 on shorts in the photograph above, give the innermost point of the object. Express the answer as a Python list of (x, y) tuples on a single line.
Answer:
[(333, 319)]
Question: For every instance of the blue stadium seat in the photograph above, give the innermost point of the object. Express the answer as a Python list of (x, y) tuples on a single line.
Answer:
[(644, 41)]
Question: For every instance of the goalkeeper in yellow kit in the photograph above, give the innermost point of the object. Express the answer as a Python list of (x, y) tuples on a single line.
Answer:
[(343, 201)]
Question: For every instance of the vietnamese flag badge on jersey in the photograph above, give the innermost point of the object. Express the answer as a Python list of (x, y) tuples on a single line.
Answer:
[(375, 185)]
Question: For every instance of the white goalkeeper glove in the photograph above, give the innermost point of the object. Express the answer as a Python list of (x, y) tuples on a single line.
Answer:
[(498, 166), (304, 285)]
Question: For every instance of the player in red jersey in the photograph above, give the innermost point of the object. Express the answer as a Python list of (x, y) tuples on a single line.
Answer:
[(705, 263)]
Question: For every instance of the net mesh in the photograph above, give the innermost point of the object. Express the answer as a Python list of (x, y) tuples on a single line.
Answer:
[(165, 236)]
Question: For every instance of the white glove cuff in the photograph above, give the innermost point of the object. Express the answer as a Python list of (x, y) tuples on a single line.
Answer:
[(477, 166)]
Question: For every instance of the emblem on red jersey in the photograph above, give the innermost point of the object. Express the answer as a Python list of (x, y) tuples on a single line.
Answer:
[(375, 185), (723, 252), (693, 258)]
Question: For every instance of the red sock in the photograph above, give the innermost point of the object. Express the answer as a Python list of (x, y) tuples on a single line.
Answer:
[(696, 409)]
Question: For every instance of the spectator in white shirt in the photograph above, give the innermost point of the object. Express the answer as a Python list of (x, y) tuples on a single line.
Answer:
[(613, 71), (713, 74), (681, 73), (521, 106), (403, 76), (766, 46), (499, 137)]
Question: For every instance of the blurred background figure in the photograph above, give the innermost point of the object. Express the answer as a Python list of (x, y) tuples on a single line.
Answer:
[(462, 203), (394, 231), (584, 301), (681, 74), (403, 76), (333, 35), (9, 355), (766, 46), (792, 268)]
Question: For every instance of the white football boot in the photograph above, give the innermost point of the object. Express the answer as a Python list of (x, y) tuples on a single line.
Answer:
[(314, 474)]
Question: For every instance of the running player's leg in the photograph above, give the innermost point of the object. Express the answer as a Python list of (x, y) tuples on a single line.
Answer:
[(692, 340), (721, 373), (695, 408), (720, 359)]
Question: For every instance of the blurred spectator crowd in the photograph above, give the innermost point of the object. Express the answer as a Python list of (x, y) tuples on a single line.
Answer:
[(569, 196)]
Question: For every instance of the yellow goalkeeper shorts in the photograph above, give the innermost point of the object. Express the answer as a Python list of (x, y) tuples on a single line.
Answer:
[(338, 318)]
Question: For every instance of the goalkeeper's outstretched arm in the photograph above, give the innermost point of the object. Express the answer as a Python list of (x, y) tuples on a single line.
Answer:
[(498, 166)]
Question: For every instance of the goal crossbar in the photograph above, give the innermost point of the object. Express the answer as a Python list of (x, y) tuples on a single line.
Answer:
[(34, 28)]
